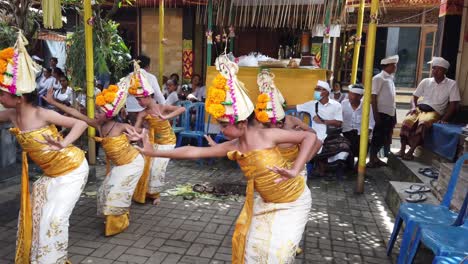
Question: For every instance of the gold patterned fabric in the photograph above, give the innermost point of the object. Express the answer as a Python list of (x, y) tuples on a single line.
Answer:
[(54, 164), (118, 150), (289, 153), (162, 131), (115, 224), (255, 164)]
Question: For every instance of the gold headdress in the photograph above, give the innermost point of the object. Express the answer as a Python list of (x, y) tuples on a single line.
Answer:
[(269, 106), (112, 99), (17, 69), (227, 99), (139, 85)]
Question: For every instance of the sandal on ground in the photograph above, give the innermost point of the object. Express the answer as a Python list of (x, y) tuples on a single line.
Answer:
[(199, 188), (422, 170), (417, 188), (431, 174), (416, 198)]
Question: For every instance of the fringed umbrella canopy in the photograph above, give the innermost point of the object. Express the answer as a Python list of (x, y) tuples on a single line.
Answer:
[(293, 14)]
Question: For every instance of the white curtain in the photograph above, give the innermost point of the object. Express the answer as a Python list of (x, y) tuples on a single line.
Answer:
[(56, 49)]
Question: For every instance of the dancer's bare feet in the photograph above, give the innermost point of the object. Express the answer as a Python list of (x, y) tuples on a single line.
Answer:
[(156, 201)]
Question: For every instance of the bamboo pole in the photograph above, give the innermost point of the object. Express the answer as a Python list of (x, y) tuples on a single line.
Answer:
[(161, 45), (326, 46), (210, 22), (89, 78), (368, 70), (357, 42)]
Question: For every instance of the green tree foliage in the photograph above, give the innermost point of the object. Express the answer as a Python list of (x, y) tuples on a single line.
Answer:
[(111, 55)]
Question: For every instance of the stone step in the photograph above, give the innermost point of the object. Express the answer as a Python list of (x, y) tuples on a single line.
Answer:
[(396, 195)]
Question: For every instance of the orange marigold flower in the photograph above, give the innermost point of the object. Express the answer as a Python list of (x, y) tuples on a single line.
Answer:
[(262, 116), (217, 96), (263, 98), (261, 106), (133, 91), (7, 53), (3, 66), (100, 100), (110, 96), (113, 88), (216, 110)]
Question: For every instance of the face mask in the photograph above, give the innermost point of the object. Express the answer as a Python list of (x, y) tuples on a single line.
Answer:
[(317, 95), (336, 92)]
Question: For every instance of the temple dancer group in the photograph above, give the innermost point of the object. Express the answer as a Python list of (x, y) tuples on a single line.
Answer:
[(270, 225)]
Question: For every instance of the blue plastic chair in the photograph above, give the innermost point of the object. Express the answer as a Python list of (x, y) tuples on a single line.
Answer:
[(179, 122), (197, 131), (445, 241), (412, 214), (301, 115), (452, 259)]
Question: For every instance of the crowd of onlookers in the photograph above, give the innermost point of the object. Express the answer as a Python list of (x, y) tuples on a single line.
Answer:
[(53, 77)]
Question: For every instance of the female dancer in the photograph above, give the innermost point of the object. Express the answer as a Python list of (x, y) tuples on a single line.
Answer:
[(269, 228), (43, 223), (156, 117), (115, 193)]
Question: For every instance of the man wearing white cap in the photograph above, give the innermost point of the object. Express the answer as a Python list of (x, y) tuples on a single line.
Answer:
[(384, 108), (327, 119), (440, 100), (352, 115)]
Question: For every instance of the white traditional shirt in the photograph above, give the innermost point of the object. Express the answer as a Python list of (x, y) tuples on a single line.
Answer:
[(438, 95), (153, 81), (172, 99), (44, 84), (329, 111), (384, 87), (352, 117), (65, 97), (200, 93)]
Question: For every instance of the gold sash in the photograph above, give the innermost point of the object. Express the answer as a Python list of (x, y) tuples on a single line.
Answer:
[(118, 150), (255, 166), (53, 163), (289, 153), (162, 131)]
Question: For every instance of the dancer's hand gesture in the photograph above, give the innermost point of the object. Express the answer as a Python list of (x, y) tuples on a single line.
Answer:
[(147, 149), (53, 143), (285, 173), (211, 142), (132, 133), (49, 96)]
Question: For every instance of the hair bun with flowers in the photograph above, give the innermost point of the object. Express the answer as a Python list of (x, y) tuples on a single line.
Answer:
[(227, 98), (112, 99), (269, 106), (17, 69), (139, 85)]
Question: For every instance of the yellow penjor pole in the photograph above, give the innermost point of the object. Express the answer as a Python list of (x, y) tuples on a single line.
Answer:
[(368, 71), (161, 45), (357, 42), (89, 78)]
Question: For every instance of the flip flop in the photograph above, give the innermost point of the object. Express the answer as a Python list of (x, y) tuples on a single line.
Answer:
[(199, 188), (416, 198), (422, 170), (431, 174), (417, 188)]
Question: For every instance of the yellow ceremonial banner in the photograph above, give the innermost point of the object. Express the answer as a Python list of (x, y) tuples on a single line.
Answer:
[(296, 85)]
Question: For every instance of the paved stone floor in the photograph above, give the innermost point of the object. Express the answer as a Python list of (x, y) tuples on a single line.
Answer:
[(343, 227)]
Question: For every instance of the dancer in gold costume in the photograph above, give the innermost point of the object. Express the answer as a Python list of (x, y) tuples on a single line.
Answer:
[(156, 117), (116, 191), (43, 220), (269, 228)]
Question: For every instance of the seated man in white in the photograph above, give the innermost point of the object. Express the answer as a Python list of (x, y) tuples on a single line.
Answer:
[(352, 116), (327, 120)]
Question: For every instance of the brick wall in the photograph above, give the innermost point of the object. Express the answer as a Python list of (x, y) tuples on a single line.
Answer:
[(150, 39)]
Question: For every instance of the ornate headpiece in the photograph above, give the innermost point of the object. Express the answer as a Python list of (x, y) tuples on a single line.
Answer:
[(17, 69), (112, 99), (269, 107), (139, 85), (227, 99)]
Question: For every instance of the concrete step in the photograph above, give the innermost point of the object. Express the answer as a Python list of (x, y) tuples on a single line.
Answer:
[(396, 195)]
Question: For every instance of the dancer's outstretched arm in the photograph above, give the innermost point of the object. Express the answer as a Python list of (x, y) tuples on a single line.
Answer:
[(188, 152), (7, 115), (77, 127), (171, 111), (49, 98)]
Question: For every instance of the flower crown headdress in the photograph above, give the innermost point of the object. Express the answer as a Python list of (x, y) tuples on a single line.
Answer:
[(139, 85), (227, 98), (269, 106), (112, 99), (17, 69)]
